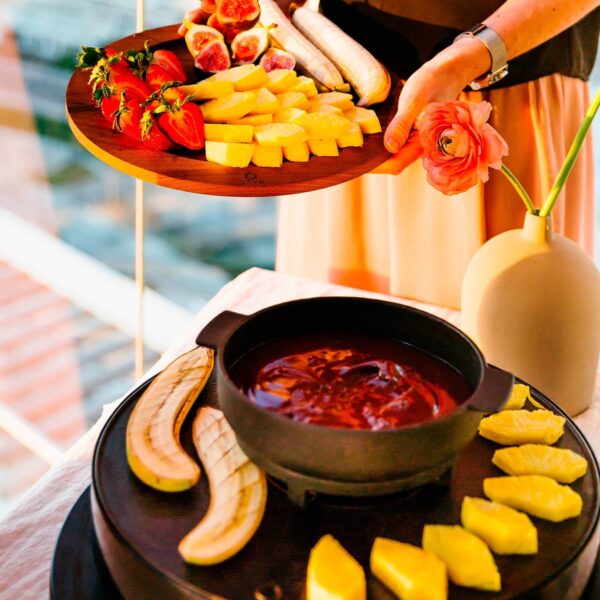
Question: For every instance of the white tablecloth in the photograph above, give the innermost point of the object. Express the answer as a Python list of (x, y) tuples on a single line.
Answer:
[(28, 533)]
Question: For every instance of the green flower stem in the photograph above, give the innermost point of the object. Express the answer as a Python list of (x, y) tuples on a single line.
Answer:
[(571, 156), (520, 189)]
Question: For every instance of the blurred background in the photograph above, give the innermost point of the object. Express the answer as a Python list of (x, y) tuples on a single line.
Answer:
[(67, 309)]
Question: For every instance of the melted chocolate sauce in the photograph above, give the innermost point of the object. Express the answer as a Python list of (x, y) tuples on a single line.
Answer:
[(353, 381)]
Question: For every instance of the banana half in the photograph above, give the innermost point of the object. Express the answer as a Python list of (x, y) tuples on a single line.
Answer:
[(154, 452), (238, 493)]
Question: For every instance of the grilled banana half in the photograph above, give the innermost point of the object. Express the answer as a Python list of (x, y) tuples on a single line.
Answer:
[(154, 452), (238, 493)]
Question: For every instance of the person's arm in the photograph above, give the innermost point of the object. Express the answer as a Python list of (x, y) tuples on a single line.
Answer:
[(521, 24)]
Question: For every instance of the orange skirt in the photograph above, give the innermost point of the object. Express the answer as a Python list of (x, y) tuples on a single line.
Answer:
[(398, 235)]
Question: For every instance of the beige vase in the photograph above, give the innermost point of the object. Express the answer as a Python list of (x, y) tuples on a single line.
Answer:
[(531, 301)]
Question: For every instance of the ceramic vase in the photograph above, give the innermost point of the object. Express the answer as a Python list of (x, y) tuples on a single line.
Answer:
[(531, 301)]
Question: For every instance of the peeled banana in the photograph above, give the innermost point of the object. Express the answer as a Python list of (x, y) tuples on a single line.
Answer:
[(154, 452), (238, 493)]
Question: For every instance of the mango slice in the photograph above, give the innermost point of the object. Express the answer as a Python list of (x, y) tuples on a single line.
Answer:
[(535, 494), (267, 156), (305, 85), (503, 529), (288, 115), (266, 103), (281, 80), (208, 90), (352, 137), (228, 133), (297, 152), (365, 117), (561, 464), (410, 572), (244, 77), (293, 100), (333, 574), (326, 108), (279, 134), (323, 126), (229, 154), (510, 427), (253, 120), (323, 147), (334, 98), (519, 394), (468, 560), (228, 108)]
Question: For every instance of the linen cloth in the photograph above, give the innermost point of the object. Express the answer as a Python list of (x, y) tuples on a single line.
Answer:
[(29, 532)]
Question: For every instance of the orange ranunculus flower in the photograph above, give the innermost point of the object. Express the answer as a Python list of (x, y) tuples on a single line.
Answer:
[(459, 145)]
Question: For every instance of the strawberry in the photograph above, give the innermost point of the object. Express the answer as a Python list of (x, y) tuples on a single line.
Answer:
[(136, 87), (152, 136), (182, 121), (156, 77), (109, 105), (170, 63)]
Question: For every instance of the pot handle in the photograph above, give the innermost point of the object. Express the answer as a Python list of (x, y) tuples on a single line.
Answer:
[(494, 390), (218, 330)]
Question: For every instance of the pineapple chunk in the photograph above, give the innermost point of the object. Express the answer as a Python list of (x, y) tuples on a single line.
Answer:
[(244, 78), (266, 103), (279, 134), (288, 115), (306, 86), (229, 108), (410, 572), (208, 90), (267, 156), (326, 108), (352, 137), (333, 574), (535, 494), (229, 154), (503, 529), (253, 120), (293, 100), (323, 126), (518, 395), (281, 80), (365, 117), (334, 98), (297, 152), (561, 464), (468, 560), (522, 427), (228, 133), (323, 147)]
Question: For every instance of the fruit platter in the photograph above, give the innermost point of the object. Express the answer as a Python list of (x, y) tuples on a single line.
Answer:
[(179, 509), (245, 102)]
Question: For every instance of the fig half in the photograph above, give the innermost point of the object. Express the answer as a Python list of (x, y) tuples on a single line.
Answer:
[(275, 58), (197, 36), (236, 12), (249, 45), (213, 57)]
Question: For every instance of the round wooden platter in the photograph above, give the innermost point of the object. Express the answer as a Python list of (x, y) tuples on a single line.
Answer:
[(188, 170), (139, 528)]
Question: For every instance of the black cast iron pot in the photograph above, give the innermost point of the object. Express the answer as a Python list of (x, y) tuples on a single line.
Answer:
[(350, 462)]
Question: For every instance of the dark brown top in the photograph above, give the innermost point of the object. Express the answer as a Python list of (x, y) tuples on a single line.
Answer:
[(403, 44)]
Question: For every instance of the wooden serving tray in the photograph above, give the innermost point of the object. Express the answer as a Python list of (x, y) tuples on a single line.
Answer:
[(139, 528), (188, 170)]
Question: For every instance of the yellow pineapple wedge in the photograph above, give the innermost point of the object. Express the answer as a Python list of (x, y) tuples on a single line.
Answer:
[(293, 100), (297, 152), (228, 133), (244, 78), (467, 558), (229, 154), (208, 90), (232, 107), (266, 103), (279, 134), (520, 393), (288, 115), (253, 120), (335, 98), (333, 574), (326, 108), (410, 572), (561, 464), (305, 85), (281, 80), (536, 495), (267, 156), (352, 138), (365, 117), (323, 147), (510, 427), (323, 126), (503, 529)]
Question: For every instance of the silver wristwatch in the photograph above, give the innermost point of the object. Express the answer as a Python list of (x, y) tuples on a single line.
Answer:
[(495, 46)]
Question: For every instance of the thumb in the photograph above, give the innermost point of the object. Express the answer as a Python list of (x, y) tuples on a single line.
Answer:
[(397, 131)]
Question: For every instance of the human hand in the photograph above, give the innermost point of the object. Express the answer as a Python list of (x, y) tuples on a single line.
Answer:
[(439, 80)]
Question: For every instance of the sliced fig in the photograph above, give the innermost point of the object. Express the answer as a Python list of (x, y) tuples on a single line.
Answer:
[(275, 58), (209, 6), (228, 32), (197, 36), (249, 45), (213, 57), (235, 12)]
